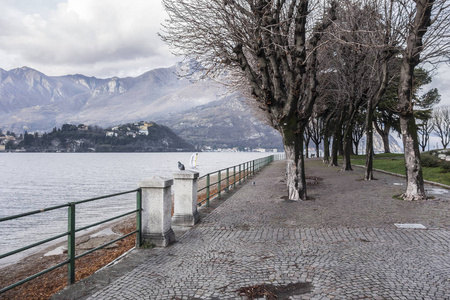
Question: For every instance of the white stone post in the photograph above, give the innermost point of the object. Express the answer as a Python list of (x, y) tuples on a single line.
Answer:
[(156, 211), (185, 198)]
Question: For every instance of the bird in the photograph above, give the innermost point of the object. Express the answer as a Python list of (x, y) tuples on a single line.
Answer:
[(180, 166)]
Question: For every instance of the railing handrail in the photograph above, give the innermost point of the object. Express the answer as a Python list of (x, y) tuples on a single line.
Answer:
[(245, 168), (71, 234), (47, 209)]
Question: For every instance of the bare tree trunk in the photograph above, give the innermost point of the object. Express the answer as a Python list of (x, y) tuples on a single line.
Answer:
[(384, 133), (411, 57), (306, 147), (386, 144), (347, 145), (335, 148), (356, 147), (317, 149), (296, 180), (372, 103), (415, 187), (326, 149), (368, 173), (326, 140), (341, 143)]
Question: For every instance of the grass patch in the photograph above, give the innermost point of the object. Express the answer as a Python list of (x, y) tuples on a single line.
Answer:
[(395, 163)]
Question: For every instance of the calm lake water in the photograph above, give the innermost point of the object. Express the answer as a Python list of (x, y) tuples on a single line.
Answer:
[(32, 181)]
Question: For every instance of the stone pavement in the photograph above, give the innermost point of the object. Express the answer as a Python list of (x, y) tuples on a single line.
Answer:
[(342, 242)]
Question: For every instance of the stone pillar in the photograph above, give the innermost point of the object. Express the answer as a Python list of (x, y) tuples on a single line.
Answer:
[(185, 198), (156, 211)]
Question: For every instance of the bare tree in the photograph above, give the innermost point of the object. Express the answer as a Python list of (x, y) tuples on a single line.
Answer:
[(267, 44), (355, 64), (315, 131), (307, 138), (425, 25), (441, 124), (425, 127), (358, 132)]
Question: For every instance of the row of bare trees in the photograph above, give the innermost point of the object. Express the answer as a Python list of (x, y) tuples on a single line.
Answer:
[(439, 123), (331, 59)]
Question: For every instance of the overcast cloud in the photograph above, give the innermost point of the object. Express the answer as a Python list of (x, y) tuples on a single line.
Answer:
[(100, 38)]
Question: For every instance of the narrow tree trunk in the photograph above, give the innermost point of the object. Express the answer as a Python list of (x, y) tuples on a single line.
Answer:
[(341, 142), (347, 146), (384, 133), (335, 149), (326, 150), (317, 149), (385, 137), (306, 148), (372, 103), (356, 148), (368, 173)]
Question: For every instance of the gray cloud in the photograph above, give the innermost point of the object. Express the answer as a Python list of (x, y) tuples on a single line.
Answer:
[(99, 38)]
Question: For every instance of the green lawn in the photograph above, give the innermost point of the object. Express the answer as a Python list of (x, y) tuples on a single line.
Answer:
[(395, 163)]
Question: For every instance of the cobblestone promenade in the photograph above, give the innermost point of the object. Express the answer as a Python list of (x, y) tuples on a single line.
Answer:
[(342, 242)]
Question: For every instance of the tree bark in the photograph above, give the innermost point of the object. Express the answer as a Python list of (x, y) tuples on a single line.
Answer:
[(387, 148), (384, 133), (295, 171), (347, 145), (326, 149), (306, 140), (317, 149), (356, 147), (335, 147), (415, 187), (368, 173)]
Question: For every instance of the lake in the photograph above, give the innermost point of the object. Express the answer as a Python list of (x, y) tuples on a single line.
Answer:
[(32, 181)]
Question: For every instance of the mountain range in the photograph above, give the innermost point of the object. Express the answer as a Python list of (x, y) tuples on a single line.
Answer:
[(200, 111)]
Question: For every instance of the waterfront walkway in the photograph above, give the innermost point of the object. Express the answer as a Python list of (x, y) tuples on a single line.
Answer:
[(342, 243)]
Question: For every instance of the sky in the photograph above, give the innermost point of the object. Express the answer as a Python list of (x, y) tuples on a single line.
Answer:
[(102, 38)]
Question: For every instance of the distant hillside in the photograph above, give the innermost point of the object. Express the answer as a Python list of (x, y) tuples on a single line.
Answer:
[(224, 123), (131, 137), (32, 101)]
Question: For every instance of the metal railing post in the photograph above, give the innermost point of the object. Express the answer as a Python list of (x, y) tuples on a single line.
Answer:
[(228, 179), (207, 190), (239, 174), (219, 179), (139, 218), (234, 176), (253, 167), (71, 243)]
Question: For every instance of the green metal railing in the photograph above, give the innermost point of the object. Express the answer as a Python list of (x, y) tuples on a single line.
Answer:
[(229, 177), (72, 230)]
